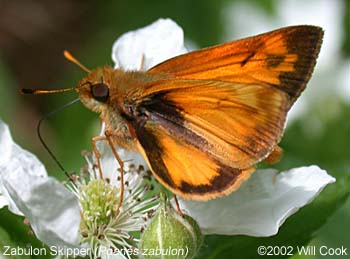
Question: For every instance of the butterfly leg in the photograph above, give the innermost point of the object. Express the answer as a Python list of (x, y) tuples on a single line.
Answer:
[(178, 205), (109, 135), (97, 153)]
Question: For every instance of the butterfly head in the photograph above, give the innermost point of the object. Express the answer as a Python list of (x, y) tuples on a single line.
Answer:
[(95, 89)]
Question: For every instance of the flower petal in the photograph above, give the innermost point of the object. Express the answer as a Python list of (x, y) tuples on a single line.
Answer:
[(3, 201), (6, 143), (11, 157), (5, 154), (143, 48), (262, 204), (52, 210)]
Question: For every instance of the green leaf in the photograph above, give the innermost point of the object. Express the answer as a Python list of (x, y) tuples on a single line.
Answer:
[(14, 233), (5, 241), (298, 230)]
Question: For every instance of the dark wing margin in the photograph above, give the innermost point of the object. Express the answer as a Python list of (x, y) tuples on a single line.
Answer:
[(305, 42)]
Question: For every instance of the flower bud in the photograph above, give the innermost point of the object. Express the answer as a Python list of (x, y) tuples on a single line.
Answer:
[(170, 235)]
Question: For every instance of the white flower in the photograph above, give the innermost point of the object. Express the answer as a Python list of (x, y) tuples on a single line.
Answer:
[(53, 211), (148, 46), (106, 227), (86, 212), (261, 204)]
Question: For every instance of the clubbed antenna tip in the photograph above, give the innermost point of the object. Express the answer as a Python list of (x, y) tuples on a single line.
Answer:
[(26, 91)]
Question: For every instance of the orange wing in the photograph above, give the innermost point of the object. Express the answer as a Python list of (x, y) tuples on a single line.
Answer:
[(284, 58), (237, 124), (184, 168), (216, 112), (203, 138)]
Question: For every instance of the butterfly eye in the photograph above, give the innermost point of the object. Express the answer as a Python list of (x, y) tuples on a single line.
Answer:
[(100, 92)]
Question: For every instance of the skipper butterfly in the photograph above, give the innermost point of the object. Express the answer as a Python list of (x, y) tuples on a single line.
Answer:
[(203, 120)]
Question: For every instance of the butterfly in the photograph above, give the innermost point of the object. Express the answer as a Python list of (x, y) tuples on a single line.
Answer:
[(203, 120)]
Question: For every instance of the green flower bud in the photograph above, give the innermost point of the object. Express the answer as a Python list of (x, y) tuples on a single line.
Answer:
[(170, 235)]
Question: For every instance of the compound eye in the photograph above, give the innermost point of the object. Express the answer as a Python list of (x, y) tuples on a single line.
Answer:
[(100, 92)]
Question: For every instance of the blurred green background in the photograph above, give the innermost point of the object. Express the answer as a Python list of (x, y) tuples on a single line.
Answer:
[(33, 35)]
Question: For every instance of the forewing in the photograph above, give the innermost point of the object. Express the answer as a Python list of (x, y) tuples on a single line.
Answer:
[(284, 59)]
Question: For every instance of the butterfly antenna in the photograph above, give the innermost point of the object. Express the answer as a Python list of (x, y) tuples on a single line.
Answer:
[(44, 143), (72, 59), (43, 91)]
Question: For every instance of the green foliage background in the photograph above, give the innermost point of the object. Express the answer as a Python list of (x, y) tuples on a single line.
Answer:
[(88, 29)]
